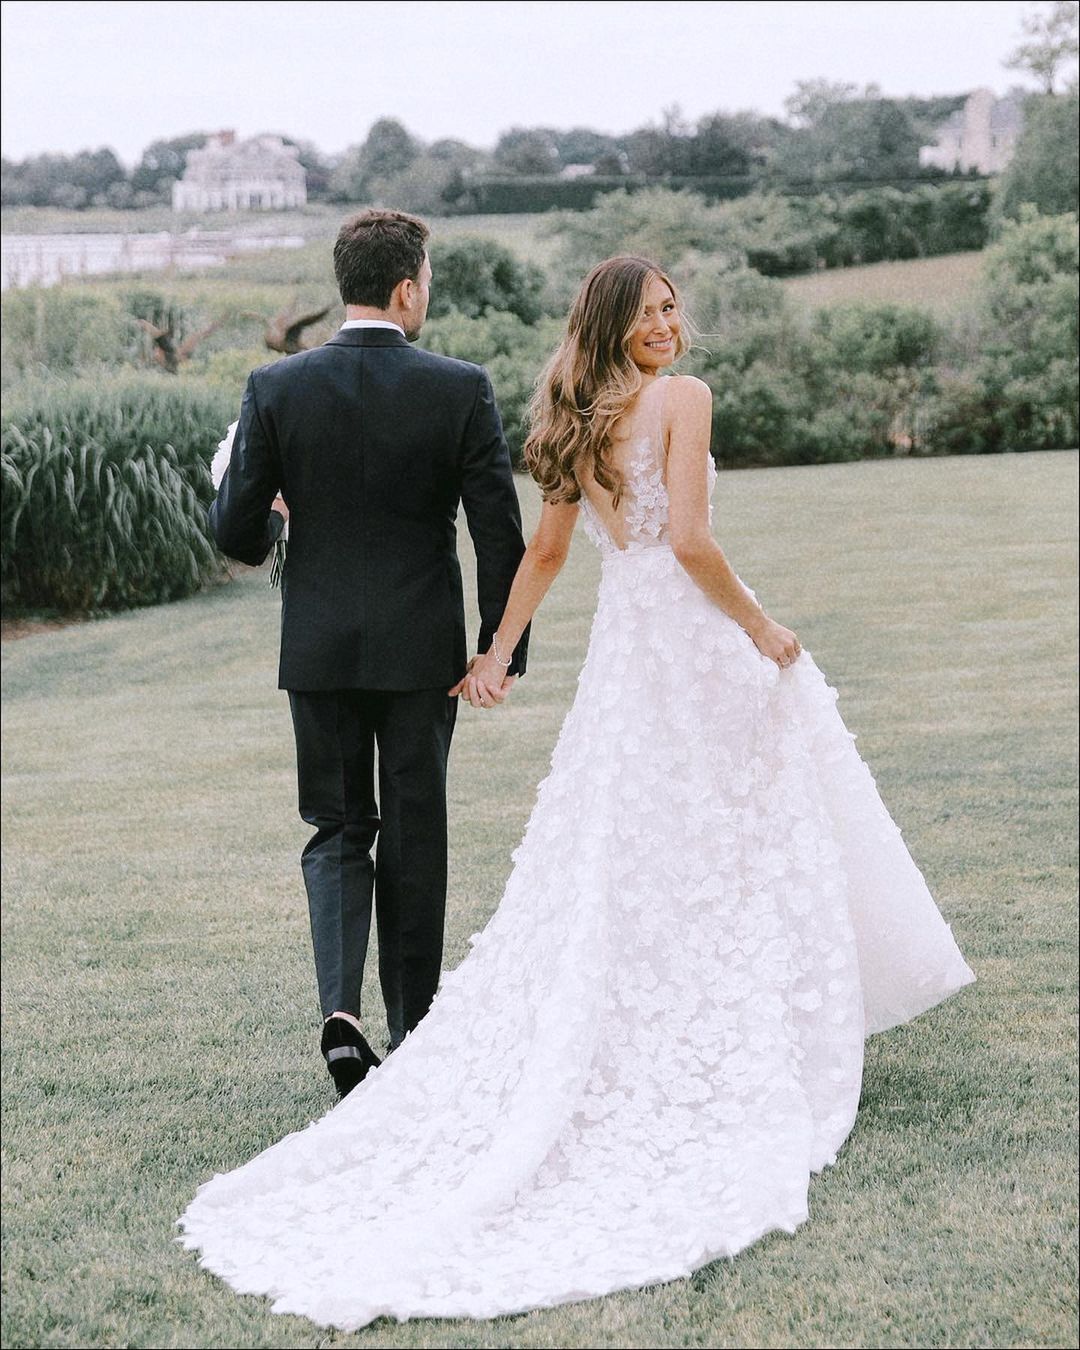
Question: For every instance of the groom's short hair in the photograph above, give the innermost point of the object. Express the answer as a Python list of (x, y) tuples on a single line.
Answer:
[(374, 251)]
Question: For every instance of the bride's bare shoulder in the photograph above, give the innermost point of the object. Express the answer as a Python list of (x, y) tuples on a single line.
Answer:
[(687, 391), (687, 407)]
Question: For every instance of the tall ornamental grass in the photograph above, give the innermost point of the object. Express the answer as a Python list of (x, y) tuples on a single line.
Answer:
[(105, 490)]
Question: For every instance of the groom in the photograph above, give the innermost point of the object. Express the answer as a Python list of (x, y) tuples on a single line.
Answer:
[(372, 443)]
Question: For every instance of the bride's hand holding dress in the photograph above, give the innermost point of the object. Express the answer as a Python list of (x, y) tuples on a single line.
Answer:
[(688, 429)]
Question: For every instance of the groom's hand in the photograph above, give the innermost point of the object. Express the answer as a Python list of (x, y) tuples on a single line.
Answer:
[(460, 686)]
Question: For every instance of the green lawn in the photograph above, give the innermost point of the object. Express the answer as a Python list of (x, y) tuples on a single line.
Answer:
[(939, 284), (159, 1011)]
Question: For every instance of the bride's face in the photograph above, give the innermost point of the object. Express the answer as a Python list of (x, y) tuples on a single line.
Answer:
[(654, 340)]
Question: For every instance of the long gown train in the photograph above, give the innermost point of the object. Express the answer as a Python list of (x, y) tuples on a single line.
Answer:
[(658, 1037)]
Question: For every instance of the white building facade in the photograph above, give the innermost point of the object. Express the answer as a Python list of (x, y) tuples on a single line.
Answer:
[(981, 135), (260, 174)]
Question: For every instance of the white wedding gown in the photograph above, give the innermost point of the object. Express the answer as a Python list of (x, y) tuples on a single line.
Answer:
[(659, 1035)]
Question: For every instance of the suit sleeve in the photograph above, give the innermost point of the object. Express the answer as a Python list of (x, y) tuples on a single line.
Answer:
[(240, 517), (493, 515)]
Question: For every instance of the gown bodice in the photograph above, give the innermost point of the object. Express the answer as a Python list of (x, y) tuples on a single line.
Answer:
[(642, 519)]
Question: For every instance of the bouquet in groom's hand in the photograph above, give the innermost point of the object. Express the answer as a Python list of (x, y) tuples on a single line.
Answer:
[(218, 466)]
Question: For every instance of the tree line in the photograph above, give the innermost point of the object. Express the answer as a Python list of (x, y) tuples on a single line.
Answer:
[(833, 133), (839, 138)]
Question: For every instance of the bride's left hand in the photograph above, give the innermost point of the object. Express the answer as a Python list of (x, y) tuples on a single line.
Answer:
[(486, 683)]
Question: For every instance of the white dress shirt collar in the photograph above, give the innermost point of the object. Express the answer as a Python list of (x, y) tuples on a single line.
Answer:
[(372, 323)]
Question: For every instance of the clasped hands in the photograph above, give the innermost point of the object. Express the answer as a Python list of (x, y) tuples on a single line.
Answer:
[(485, 683)]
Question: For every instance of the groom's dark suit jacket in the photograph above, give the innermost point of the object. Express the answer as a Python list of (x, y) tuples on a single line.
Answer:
[(373, 443)]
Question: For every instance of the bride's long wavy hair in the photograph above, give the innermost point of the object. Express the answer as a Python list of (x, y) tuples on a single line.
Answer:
[(591, 380)]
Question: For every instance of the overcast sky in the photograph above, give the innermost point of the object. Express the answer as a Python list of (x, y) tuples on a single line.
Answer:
[(86, 73)]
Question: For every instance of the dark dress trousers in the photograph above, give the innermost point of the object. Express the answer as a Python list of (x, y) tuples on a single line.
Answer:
[(374, 443)]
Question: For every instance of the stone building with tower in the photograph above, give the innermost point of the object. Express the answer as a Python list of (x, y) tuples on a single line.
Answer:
[(981, 135), (259, 174)]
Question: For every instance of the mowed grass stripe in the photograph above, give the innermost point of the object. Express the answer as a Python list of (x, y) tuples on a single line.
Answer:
[(943, 284), (159, 1008)]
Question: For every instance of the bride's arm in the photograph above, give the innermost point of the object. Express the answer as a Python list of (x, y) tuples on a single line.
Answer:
[(544, 557), (689, 417)]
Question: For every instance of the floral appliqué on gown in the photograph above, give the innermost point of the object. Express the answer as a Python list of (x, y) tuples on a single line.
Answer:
[(658, 1037)]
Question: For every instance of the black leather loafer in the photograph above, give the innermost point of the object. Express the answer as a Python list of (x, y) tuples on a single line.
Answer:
[(348, 1056)]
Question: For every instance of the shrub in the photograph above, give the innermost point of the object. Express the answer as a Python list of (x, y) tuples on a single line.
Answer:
[(871, 228), (428, 186), (476, 276), (846, 383), (63, 329), (861, 415), (1045, 168), (768, 415), (874, 338), (310, 267), (75, 329), (840, 434), (1027, 373), (958, 216), (776, 234), (666, 226), (228, 371), (742, 317), (756, 414), (962, 418), (1029, 286), (517, 195), (105, 494), (782, 235)]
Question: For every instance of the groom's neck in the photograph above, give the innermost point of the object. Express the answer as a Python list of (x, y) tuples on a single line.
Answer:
[(367, 312)]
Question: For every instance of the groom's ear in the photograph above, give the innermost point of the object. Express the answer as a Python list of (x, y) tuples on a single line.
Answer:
[(403, 293), (408, 288)]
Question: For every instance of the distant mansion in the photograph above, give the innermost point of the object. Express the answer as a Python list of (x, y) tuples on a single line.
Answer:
[(981, 135), (260, 174)]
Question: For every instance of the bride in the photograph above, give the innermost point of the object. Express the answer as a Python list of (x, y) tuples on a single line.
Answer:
[(658, 1037)]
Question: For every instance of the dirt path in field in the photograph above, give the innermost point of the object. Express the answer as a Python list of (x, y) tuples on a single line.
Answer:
[(10, 629)]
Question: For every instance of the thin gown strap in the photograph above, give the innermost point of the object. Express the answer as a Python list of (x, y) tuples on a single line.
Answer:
[(661, 449)]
